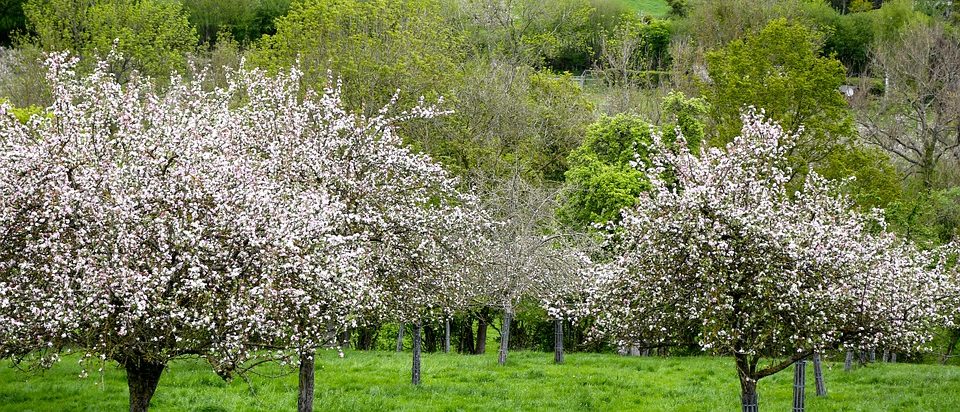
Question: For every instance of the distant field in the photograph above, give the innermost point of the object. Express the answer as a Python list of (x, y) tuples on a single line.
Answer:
[(657, 8), (373, 381)]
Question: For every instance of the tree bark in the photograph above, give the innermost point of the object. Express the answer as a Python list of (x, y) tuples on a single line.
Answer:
[(466, 343), (400, 339), (893, 357), (748, 384), (415, 371), (305, 392), (748, 395), (886, 356), (446, 336), (142, 380), (799, 385), (505, 337), (481, 346), (848, 363), (818, 375), (558, 341)]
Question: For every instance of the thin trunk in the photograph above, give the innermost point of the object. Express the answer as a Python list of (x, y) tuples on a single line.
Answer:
[(505, 337), (446, 336), (893, 357), (886, 356), (873, 355), (799, 385), (466, 343), (558, 341), (950, 345), (307, 372), (415, 373), (634, 351), (848, 363), (142, 380), (400, 339), (818, 375)]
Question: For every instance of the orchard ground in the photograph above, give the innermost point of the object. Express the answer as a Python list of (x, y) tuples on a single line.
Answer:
[(379, 380)]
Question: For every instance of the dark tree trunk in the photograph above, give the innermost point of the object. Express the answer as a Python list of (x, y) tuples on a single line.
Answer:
[(799, 385), (748, 384), (400, 338), (558, 341), (848, 363), (305, 393), (415, 371), (429, 339), (873, 355), (505, 337), (481, 346), (446, 336), (466, 343), (748, 395), (366, 337), (818, 375), (142, 380)]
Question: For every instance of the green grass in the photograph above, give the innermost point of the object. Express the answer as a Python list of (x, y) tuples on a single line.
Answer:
[(365, 381), (657, 8)]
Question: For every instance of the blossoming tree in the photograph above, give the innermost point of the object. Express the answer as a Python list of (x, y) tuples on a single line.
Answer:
[(724, 253), (133, 228)]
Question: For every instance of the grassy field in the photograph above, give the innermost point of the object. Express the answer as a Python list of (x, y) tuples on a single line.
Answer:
[(366, 381), (658, 8)]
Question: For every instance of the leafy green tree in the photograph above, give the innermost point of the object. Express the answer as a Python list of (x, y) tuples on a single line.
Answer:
[(153, 36), (780, 70), (604, 176), (601, 176), (376, 47), (876, 182)]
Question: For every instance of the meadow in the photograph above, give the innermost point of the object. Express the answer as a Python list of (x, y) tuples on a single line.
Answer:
[(379, 380)]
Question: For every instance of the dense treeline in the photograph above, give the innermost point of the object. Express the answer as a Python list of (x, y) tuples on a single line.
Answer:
[(564, 96)]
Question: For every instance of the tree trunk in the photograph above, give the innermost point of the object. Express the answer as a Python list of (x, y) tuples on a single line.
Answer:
[(952, 343), (886, 356), (848, 363), (142, 380), (415, 372), (873, 355), (818, 375), (400, 339), (481, 346), (446, 336), (799, 385), (558, 341), (505, 337), (893, 357), (429, 340), (748, 384), (634, 351), (466, 343), (748, 395), (307, 372)]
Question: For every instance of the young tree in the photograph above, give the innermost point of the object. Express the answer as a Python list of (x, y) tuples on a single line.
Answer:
[(530, 255), (720, 253)]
